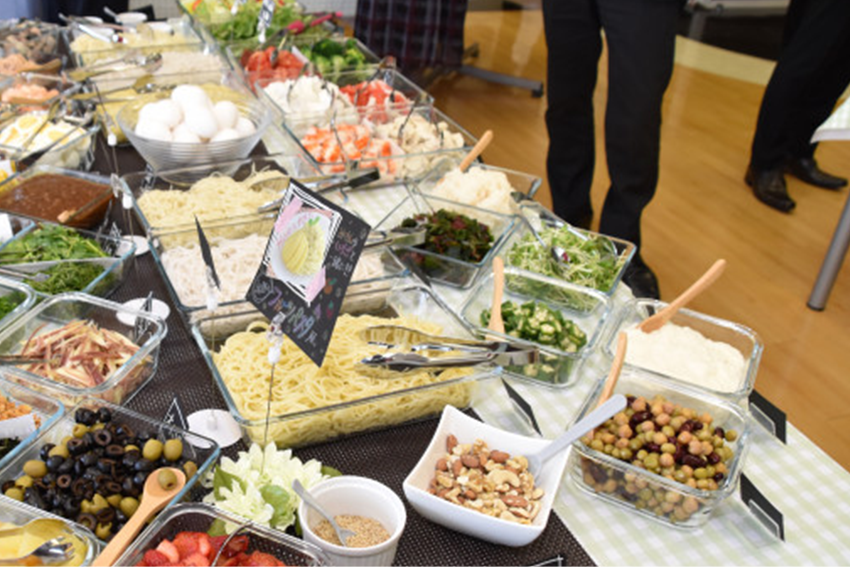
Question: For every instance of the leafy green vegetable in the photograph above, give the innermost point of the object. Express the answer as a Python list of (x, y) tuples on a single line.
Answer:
[(51, 243), (223, 479), (332, 57), (9, 302), (244, 24), (7, 446), (277, 498), (591, 262)]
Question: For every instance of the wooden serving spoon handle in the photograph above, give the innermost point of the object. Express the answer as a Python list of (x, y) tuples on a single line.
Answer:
[(662, 317), (476, 150), (616, 369)]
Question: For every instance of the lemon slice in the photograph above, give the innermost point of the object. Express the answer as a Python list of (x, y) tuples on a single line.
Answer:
[(295, 250)]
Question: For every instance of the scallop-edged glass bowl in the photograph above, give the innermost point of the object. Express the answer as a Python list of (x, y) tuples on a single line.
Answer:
[(197, 517), (465, 518), (447, 266), (15, 299), (700, 368), (558, 365), (167, 155), (143, 329), (45, 412), (632, 484), (14, 513)]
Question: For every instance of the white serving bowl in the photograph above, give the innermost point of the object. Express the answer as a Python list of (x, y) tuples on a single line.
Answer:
[(468, 521), (360, 496), (131, 19)]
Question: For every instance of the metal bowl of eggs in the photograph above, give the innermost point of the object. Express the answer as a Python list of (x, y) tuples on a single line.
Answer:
[(194, 124)]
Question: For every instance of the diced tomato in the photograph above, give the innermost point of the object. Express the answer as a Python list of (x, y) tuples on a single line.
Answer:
[(167, 548), (195, 560), (186, 543), (154, 558), (260, 559)]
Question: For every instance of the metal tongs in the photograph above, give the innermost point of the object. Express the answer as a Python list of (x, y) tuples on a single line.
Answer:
[(470, 352), (400, 236), (351, 180)]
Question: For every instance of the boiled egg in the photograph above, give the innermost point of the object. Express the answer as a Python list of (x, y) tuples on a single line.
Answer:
[(201, 121), (183, 135), (154, 130), (226, 114), (226, 134), (190, 96), (168, 112), (245, 127)]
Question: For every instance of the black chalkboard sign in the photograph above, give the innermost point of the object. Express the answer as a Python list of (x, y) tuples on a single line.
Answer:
[(309, 259)]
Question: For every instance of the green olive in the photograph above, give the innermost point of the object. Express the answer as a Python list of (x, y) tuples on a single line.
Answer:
[(103, 531), (128, 448), (35, 468), (80, 430), (190, 468), (85, 506), (731, 435), (173, 449), (97, 426), (152, 450), (114, 500), (167, 479), (15, 493), (129, 505), (24, 481), (98, 503), (60, 450)]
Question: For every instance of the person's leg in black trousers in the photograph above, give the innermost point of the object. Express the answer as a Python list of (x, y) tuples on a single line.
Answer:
[(812, 72), (574, 44)]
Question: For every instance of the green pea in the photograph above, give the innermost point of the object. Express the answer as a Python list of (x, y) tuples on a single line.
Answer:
[(152, 450), (173, 449)]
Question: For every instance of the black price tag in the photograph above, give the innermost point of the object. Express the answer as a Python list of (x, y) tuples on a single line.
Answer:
[(206, 254), (769, 416), (149, 178), (110, 242), (557, 561), (142, 324), (763, 510), (523, 406), (175, 416), (307, 266)]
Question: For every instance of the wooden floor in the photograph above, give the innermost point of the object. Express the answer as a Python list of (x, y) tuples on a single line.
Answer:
[(702, 211)]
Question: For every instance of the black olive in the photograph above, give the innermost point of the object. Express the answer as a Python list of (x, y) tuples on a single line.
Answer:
[(120, 517), (64, 481), (87, 520), (104, 415), (114, 451), (127, 484), (66, 467), (39, 484), (71, 507), (43, 454), (144, 465), (56, 502), (75, 446), (89, 459), (129, 459), (33, 498), (88, 439), (106, 466), (124, 430), (79, 468), (105, 515), (78, 487), (112, 487), (7, 485), (139, 479), (100, 480), (85, 416), (53, 463), (49, 479), (102, 437), (143, 437)]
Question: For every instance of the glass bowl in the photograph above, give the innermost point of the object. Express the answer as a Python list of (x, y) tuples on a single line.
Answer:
[(387, 403), (70, 144), (63, 86), (524, 187), (59, 310), (647, 493), (438, 267), (165, 156), (196, 517), (26, 194), (46, 409), (15, 299), (17, 513), (741, 338), (535, 217), (588, 309), (116, 265), (202, 451)]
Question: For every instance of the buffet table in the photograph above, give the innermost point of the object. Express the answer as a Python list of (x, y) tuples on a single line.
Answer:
[(799, 478)]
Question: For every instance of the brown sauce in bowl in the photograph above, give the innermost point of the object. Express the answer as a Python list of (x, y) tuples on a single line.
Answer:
[(59, 198)]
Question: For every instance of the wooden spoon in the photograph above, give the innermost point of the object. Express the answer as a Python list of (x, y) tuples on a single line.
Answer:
[(48, 68), (154, 499), (496, 323), (616, 368), (476, 150), (658, 320)]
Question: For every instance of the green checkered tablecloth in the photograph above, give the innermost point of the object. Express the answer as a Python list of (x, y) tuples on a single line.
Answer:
[(801, 480)]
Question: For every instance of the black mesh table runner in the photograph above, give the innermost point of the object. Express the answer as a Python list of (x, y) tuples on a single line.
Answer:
[(182, 374)]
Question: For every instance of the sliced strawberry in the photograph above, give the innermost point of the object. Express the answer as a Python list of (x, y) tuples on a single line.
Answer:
[(195, 560), (204, 544), (154, 558), (167, 548), (186, 544), (260, 559), (216, 542)]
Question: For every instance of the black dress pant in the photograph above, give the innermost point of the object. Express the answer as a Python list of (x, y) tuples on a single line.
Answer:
[(640, 35), (812, 72)]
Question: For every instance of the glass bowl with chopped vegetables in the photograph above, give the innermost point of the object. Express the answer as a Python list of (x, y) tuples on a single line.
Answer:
[(460, 239), (15, 298), (588, 259), (565, 335)]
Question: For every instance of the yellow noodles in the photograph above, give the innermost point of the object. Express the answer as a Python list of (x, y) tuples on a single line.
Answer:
[(301, 386)]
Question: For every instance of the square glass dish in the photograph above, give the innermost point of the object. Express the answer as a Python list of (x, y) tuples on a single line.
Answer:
[(55, 194), (37, 90), (427, 136), (67, 141), (356, 403), (168, 200), (15, 299), (14, 513), (594, 260), (196, 517), (39, 42), (440, 267), (558, 365), (116, 382), (126, 427), (727, 370), (484, 186), (24, 257), (45, 411), (638, 488)]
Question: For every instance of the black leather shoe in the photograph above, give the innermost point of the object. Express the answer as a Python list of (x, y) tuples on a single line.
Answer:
[(807, 170), (769, 188), (641, 280)]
